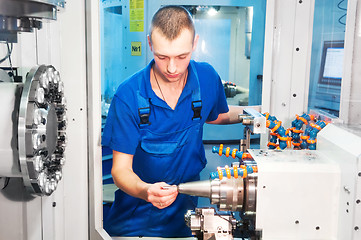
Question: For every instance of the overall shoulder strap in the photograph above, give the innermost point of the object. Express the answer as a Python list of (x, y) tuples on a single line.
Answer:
[(196, 96), (143, 110), (143, 107)]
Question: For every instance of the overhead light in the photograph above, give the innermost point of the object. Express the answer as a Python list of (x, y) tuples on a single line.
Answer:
[(212, 11)]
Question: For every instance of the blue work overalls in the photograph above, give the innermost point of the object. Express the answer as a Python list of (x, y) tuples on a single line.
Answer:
[(160, 157)]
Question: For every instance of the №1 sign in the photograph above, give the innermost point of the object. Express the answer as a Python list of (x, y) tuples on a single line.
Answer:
[(136, 48)]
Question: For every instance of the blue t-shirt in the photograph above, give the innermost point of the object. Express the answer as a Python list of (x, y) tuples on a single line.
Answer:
[(169, 149)]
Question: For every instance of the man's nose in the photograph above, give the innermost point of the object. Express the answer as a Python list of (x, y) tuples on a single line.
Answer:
[(172, 66)]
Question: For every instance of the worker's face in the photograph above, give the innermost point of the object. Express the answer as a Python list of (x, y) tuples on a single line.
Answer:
[(172, 56)]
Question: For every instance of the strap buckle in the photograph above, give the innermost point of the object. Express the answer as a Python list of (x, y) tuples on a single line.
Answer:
[(197, 107), (144, 114)]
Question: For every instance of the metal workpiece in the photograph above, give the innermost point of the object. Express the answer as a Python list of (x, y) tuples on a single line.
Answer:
[(197, 188), (206, 223), (34, 123), (229, 194)]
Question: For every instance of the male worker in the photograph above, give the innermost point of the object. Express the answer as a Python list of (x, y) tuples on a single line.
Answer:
[(155, 126)]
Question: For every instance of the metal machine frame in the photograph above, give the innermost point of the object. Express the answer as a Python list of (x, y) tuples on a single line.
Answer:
[(74, 211), (274, 99)]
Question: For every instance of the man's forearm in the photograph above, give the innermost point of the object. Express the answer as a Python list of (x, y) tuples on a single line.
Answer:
[(231, 116), (155, 193), (129, 182)]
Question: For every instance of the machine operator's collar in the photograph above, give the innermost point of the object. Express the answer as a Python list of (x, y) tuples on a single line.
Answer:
[(147, 92)]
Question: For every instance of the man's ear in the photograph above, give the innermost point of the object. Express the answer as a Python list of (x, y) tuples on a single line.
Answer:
[(150, 43), (195, 42)]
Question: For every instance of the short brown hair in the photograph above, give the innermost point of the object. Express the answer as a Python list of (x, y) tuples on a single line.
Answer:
[(171, 20)]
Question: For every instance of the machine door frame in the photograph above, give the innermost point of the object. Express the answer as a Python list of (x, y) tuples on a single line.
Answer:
[(286, 56)]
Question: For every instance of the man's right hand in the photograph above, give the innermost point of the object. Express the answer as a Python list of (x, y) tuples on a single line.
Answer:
[(161, 195), (129, 182)]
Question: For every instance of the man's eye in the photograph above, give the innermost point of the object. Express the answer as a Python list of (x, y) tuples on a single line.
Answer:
[(182, 57), (161, 58)]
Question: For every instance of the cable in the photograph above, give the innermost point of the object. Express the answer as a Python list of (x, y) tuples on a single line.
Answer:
[(344, 15), (6, 182), (219, 215), (339, 5), (8, 54)]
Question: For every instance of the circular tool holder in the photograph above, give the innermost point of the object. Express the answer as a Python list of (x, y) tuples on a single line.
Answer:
[(41, 130)]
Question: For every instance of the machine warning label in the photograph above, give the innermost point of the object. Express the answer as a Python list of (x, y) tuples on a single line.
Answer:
[(136, 48), (136, 15)]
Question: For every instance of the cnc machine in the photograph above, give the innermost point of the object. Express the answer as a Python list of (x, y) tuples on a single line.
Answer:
[(50, 125), (284, 193)]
